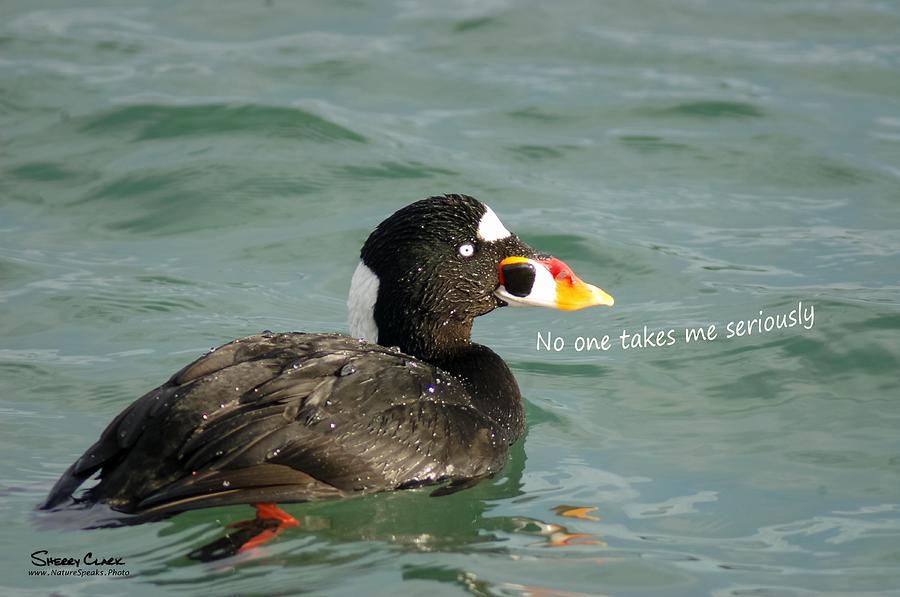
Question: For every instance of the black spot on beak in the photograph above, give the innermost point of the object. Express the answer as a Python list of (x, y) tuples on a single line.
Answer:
[(518, 278)]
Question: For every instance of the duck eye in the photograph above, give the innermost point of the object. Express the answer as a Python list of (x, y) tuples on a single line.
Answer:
[(466, 249)]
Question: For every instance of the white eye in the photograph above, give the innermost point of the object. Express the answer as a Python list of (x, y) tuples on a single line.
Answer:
[(466, 249)]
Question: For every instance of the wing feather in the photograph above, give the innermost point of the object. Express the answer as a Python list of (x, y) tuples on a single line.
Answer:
[(297, 416)]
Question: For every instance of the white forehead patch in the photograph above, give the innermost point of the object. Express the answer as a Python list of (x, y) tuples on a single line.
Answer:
[(361, 303), (490, 227)]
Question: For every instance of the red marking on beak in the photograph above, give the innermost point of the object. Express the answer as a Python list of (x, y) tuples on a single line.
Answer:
[(559, 270)]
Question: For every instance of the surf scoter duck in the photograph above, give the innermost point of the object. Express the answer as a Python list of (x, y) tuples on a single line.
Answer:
[(407, 400)]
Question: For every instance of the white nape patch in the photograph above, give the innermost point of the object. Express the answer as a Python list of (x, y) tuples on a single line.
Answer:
[(490, 227), (361, 303)]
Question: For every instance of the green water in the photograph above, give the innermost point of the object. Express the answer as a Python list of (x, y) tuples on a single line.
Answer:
[(174, 175)]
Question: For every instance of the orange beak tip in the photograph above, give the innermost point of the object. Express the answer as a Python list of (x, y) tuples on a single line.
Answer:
[(580, 295)]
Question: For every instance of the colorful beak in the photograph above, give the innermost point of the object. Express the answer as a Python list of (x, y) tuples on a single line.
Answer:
[(546, 283)]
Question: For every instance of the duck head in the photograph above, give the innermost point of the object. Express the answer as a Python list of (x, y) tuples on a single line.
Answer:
[(431, 268)]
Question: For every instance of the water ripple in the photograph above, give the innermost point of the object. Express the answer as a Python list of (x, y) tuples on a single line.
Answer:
[(163, 122)]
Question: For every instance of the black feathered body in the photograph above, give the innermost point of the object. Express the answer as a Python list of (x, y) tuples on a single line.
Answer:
[(299, 417)]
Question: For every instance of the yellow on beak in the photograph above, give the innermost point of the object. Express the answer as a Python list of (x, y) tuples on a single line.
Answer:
[(546, 283)]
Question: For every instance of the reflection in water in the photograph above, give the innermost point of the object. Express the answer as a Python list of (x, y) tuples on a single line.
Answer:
[(413, 519), (580, 512), (555, 535), (481, 588), (333, 533)]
